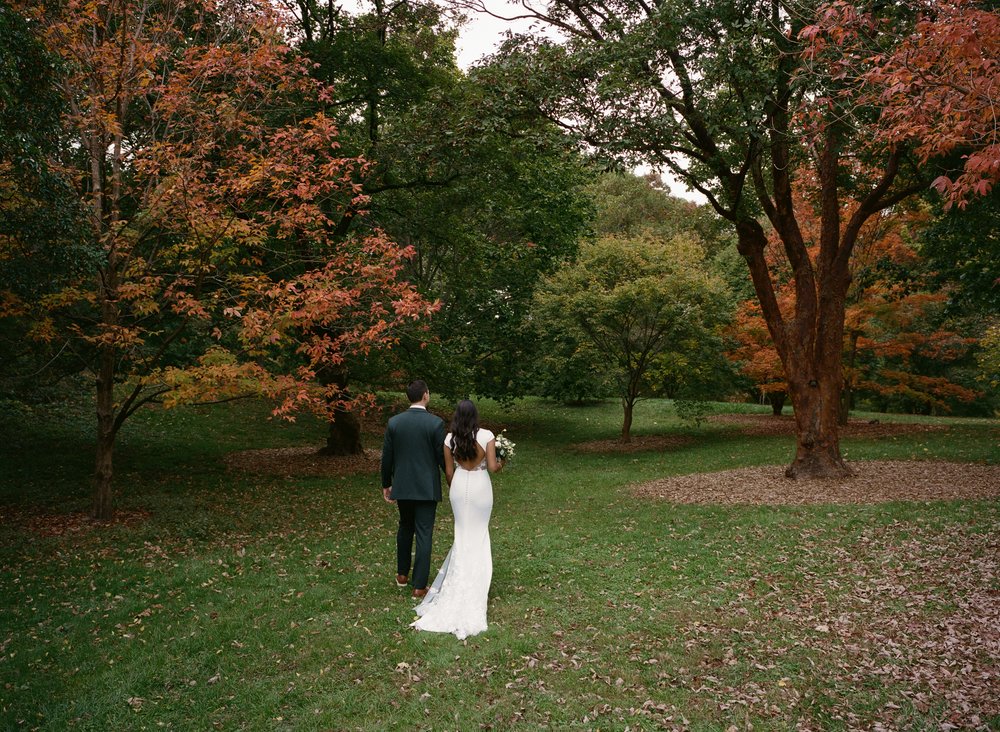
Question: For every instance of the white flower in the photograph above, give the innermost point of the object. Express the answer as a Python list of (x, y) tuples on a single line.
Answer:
[(505, 448)]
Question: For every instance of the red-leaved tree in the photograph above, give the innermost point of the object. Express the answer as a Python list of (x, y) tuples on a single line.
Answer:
[(215, 189), (888, 320), (940, 89)]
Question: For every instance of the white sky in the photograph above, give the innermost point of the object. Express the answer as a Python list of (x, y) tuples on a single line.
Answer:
[(482, 35)]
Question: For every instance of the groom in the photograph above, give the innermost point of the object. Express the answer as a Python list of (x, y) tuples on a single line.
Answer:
[(412, 461)]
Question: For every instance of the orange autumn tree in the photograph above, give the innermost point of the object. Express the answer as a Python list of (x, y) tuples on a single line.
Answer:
[(936, 88), (939, 89), (755, 356), (215, 190), (887, 324)]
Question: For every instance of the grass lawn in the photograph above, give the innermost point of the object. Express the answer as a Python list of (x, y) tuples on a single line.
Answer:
[(232, 600)]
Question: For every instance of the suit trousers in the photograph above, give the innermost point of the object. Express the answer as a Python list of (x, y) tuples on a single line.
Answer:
[(416, 518)]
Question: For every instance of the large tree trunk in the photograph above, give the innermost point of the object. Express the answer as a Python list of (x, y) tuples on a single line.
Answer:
[(810, 346), (817, 409), (816, 378), (344, 434), (344, 437)]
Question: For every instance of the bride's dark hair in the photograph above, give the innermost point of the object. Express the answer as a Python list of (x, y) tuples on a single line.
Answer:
[(464, 425)]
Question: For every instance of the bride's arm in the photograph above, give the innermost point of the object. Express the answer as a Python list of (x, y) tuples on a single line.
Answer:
[(449, 465), (491, 456)]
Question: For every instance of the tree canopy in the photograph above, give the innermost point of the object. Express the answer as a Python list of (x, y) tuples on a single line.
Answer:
[(213, 212), (489, 199), (746, 103)]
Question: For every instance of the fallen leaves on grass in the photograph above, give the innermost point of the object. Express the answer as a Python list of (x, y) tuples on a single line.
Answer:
[(302, 461), (914, 623), (642, 443), (769, 425), (875, 482), (41, 523)]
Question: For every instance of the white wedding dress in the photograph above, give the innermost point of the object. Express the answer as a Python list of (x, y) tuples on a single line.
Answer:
[(456, 601)]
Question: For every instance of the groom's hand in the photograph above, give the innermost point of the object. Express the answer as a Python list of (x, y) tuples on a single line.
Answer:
[(385, 494)]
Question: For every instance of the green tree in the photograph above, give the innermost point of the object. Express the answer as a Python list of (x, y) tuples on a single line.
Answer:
[(636, 311), (626, 205), (735, 99), (489, 200), (989, 358), (632, 206), (42, 225), (960, 247)]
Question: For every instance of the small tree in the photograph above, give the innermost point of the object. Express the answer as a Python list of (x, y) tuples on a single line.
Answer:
[(755, 356), (637, 309)]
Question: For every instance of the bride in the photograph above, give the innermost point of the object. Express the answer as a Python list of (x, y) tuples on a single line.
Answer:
[(456, 601)]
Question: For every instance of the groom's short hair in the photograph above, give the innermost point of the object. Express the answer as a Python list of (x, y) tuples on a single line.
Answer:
[(415, 391)]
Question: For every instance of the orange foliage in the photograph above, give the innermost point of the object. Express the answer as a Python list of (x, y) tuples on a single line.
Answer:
[(757, 358), (885, 318), (937, 88), (218, 213)]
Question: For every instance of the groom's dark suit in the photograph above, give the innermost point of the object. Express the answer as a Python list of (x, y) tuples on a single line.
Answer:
[(412, 461)]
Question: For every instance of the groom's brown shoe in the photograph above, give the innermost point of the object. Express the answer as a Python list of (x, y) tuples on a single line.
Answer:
[(419, 593), (402, 580)]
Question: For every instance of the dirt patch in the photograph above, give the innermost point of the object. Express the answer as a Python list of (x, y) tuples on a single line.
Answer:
[(302, 461), (874, 482), (43, 524), (289, 462), (642, 443), (767, 425)]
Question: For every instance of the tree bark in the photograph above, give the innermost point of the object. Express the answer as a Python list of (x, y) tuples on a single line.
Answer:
[(344, 436), (815, 379), (817, 405), (103, 497), (103, 506), (810, 350), (344, 433), (629, 408)]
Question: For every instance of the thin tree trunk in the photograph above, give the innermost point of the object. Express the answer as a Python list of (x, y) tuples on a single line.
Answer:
[(847, 397), (103, 497), (103, 507), (344, 436), (629, 407)]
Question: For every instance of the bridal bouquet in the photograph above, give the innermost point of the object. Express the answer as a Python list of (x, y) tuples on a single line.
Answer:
[(505, 448)]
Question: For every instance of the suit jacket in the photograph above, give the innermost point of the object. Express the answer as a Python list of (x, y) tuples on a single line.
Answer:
[(413, 455)]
